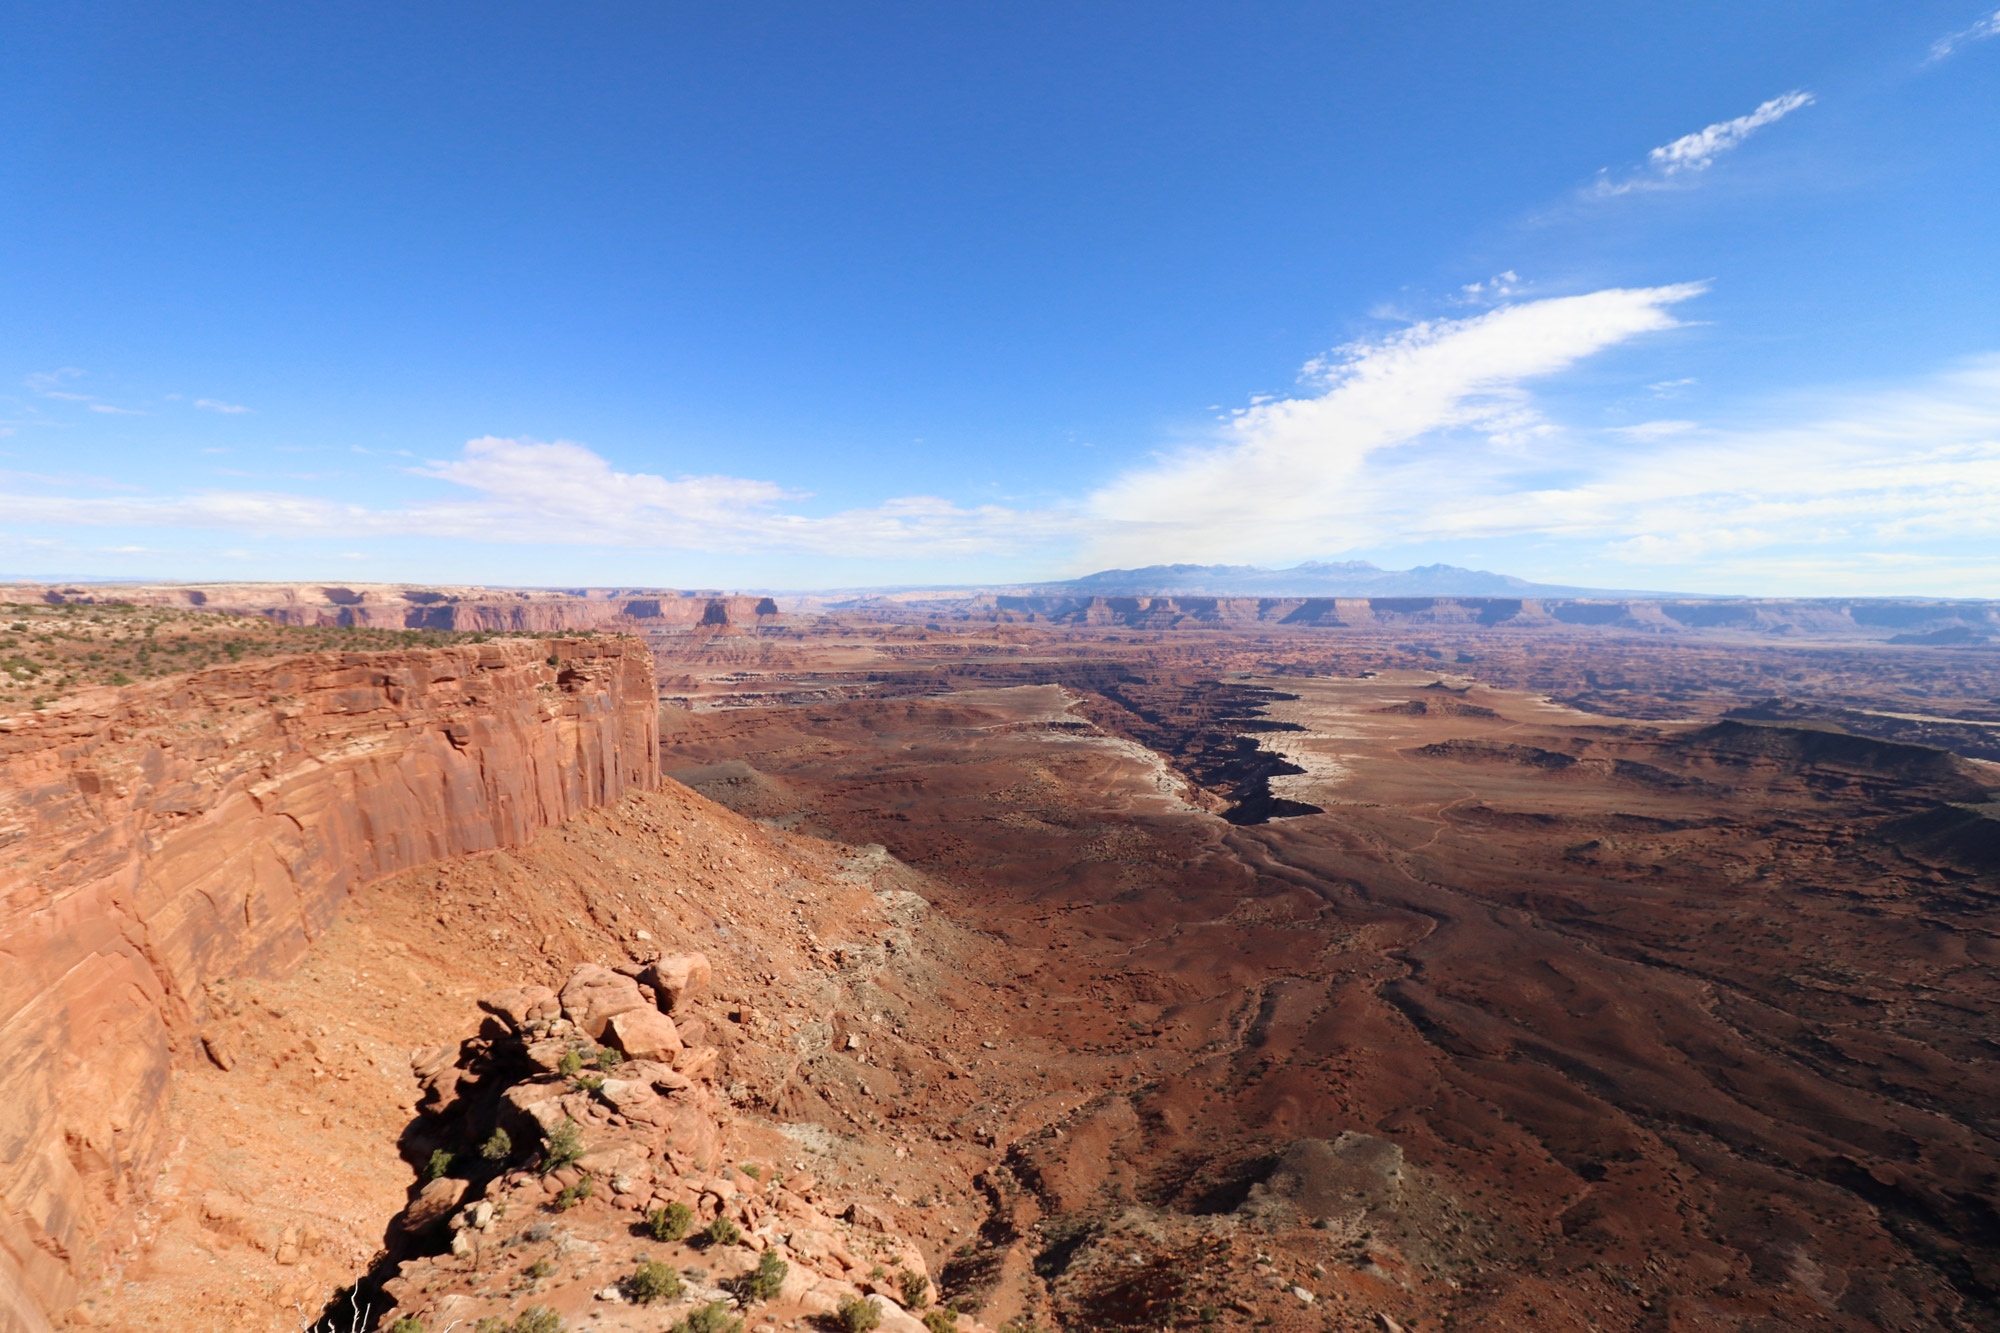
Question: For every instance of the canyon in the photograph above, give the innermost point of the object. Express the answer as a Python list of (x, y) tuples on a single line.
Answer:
[(1077, 964), (162, 836)]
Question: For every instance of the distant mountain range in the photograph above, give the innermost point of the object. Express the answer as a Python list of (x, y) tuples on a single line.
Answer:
[(1341, 578)]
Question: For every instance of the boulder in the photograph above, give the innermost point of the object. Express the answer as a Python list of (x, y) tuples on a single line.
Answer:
[(798, 1281), (861, 1215), (644, 1034), (632, 1098), (427, 1062), (658, 1073), (518, 1113), (442, 1090), (614, 1158), (895, 1319), (593, 994), (695, 1062), (547, 1054), (678, 978), (220, 1050), (436, 1201), (521, 1005)]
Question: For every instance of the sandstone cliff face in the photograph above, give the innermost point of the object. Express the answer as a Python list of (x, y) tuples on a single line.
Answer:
[(164, 835), (406, 606)]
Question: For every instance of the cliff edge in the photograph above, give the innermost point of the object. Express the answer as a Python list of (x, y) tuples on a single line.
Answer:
[(160, 836)]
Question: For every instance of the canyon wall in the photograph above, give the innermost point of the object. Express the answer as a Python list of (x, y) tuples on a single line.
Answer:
[(409, 606), (1891, 620), (163, 835)]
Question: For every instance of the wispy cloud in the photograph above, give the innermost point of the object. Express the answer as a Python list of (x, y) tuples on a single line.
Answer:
[(42, 381), (217, 405), (109, 410), (1984, 28), (1294, 475), (1674, 163), (1915, 470), (562, 493), (1654, 430), (1434, 434)]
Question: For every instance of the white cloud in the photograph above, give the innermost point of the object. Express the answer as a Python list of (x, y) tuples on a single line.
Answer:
[(1693, 153), (217, 405), (1430, 435), (1984, 28), (42, 381), (1295, 475), (1654, 430), (116, 411), (563, 493), (1915, 470)]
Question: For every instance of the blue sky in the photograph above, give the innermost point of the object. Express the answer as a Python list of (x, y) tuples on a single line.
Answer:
[(1692, 295)]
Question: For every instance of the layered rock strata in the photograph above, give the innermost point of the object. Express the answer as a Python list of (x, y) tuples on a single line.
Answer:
[(1899, 621), (164, 835), (407, 606)]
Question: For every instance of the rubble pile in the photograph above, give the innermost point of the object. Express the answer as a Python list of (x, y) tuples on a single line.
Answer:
[(577, 1161)]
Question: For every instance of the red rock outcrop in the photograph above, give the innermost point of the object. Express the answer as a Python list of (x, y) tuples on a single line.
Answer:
[(410, 606), (167, 834)]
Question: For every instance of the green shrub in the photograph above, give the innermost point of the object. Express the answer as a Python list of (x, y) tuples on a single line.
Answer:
[(534, 1319), (721, 1231), (440, 1164), (670, 1223), (537, 1319), (916, 1289), (407, 1324), (711, 1318), (569, 1196), (653, 1281), (499, 1147), (541, 1268), (762, 1282), (564, 1145), (571, 1064), (587, 1082), (856, 1315), (940, 1320), (608, 1057)]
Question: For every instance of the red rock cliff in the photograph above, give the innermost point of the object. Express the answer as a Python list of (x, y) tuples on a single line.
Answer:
[(157, 837)]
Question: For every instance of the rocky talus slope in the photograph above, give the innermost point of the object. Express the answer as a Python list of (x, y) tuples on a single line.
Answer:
[(834, 1091), (615, 1105), (211, 825)]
